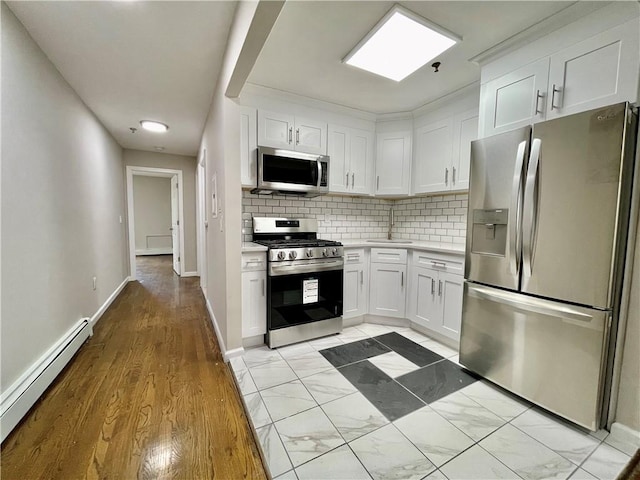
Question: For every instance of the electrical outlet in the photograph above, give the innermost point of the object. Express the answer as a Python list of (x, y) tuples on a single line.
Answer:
[(120, 218), (95, 282)]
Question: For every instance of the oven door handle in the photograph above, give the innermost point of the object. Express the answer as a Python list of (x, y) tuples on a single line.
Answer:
[(278, 270)]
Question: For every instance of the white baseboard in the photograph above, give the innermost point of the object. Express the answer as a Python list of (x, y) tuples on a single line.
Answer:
[(154, 251), (190, 274), (254, 341), (107, 304), (236, 352), (20, 397), (226, 355), (622, 434)]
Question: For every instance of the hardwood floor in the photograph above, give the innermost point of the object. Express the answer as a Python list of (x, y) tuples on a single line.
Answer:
[(148, 396)]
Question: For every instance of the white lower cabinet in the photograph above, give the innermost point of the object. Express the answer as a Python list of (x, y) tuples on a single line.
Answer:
[(435, 294), (387, 293), (356, 283), (254, 295)]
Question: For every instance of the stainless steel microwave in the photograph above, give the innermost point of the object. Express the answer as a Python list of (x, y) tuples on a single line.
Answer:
[(286, 171)]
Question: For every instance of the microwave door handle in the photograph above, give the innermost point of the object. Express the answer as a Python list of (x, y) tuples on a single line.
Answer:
[(516, 205), (529, 208), (319, 174)]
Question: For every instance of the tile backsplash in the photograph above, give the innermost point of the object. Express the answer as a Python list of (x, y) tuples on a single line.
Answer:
[(439, 218)]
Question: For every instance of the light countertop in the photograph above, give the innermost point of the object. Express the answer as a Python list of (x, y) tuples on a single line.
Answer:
[(454, 248), (248, 247)]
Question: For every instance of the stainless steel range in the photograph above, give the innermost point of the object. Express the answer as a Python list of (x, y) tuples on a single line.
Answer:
[(304, 280)]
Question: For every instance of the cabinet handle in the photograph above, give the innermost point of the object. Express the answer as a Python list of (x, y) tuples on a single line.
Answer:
[(347, 179), (439, 288), (263, 287), (353, 179), (361, 277), (290, 134), (538, 97), (402, 279), (378, 183), (446, 176), (297, 136), (553, 96), (433, 286), (438, 264), (453, 176)]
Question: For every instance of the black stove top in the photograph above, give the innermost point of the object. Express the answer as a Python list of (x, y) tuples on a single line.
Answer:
[(297, 243)]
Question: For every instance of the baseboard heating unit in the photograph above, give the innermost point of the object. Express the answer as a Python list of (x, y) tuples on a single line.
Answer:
[(16, 401)]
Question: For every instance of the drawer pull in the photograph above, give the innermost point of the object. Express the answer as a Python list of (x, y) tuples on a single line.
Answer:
[(438, 264)]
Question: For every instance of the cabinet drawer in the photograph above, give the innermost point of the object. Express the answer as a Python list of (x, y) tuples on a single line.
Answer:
[(446, 263), (254, 261), (389, 255), (353, 256)]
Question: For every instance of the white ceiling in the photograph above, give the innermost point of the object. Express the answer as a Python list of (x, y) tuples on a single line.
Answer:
[(131, 61), (134, 60), (304, 52)]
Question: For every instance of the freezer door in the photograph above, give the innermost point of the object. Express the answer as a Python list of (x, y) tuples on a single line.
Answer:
[(495, 203), (547, 352), (573, 204)]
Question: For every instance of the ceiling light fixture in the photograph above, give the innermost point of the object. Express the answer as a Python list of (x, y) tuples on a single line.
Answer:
[(399, 44), (159, 148), (153, 126)]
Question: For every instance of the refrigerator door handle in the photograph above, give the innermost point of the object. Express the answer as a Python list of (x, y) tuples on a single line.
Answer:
[(529, 208), (516, 202), (529, 304)]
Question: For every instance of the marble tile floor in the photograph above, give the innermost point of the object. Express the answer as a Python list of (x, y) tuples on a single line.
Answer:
[(380, 402)]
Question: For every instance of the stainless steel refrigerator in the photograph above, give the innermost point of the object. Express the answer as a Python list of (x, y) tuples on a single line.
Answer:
[(546, 238)]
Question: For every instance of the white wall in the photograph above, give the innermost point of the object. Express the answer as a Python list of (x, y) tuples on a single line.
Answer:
[(221, 141), (62, 201), (628, 408), (139, 158), (152, 211)]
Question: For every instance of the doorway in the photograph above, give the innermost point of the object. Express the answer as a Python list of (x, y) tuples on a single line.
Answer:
[(156, 240)]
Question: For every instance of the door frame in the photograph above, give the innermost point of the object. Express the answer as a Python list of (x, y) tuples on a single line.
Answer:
[(131, 231), (201, 213)]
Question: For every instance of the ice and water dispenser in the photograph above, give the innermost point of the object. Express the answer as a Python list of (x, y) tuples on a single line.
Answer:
[(489, 234)]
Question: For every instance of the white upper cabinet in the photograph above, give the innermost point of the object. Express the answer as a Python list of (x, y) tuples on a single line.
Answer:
[(310, 136), (465, 130), (599, 71), (443, 149), (278, 130), (516, 99), (275, 130), (248, 147), (393, 163), (433, 157), (351, 160), (361, 161)]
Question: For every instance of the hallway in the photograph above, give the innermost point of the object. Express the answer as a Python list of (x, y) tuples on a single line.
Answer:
[(148, 396)]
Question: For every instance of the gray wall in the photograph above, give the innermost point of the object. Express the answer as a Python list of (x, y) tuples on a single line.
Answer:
[(62, 199), (152, 213), (187, 164)]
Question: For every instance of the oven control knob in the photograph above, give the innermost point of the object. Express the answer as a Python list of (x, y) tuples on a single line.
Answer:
[(325, 253), (281, 255), (310, 253), (293, 255), (334, 251)]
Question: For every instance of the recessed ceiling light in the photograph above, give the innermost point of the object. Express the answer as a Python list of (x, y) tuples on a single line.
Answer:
[(153, 126), (399, 44), (158, 148)]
